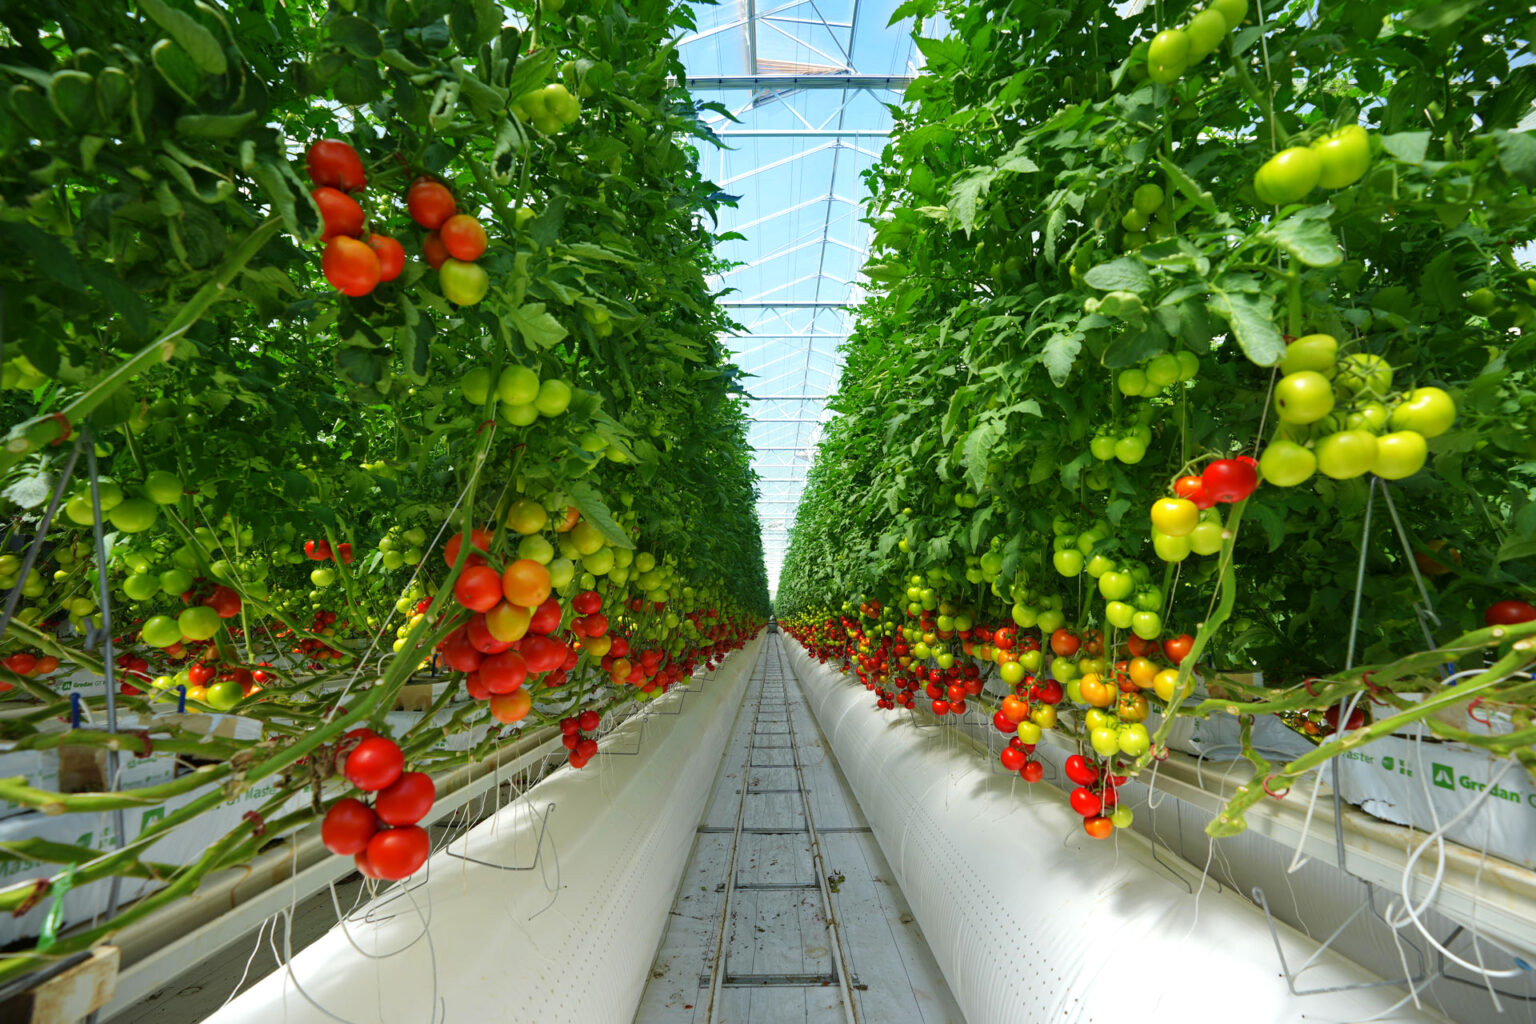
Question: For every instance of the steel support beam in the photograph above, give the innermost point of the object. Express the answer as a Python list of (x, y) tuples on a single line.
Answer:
[(723, 82), (786, 304), (805, 133)]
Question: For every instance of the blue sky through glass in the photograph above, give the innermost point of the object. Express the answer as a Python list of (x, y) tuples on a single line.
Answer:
[(808, 83)]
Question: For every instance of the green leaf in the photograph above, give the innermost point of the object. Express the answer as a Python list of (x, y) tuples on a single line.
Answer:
[(537, 327), (1517, 155), (29, 491), (965, 195), (1059, 355), (1440, 15), (196, 41), (1122, 275), (1409, 147), (1015, 160), (357, 36), (1307, 238), (1187, 185), (1516, 546), (1252, 322), (590, 504), (978, 452), (215, 126)]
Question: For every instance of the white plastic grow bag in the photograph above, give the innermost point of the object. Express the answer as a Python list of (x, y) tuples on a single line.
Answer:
[(1031, 920), (570, 940)]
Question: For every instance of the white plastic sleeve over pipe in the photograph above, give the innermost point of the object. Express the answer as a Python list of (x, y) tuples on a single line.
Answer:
[(503, 945), (1032, 920)]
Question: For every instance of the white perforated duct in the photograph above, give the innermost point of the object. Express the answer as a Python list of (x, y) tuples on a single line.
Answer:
[(500, 945), (1033, 921)]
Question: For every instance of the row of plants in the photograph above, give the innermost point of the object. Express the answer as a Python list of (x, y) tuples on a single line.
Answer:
[(1198, 355), (348, 345)]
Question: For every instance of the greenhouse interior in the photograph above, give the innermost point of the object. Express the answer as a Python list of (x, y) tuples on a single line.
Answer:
[(761, 511)]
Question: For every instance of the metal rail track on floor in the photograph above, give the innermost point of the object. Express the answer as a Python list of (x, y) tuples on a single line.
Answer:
[(770, 707)]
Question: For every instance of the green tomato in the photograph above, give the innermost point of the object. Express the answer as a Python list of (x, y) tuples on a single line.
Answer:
[(1028, 732), (1205, 30), (561, 572), (1131, 382), (223, 695), (1105, 741), (1163, 371), (1119, 614), (1364, 373), (322, 577), (1116, 586), (1033, 660), (175, 581), (1482, 301), (536, 547), (1103, 447), (1050, 621), (1098, 565), (1189, 364), (475, 386), (1346, 454), (1288, 176), (1427, 411), (1148, 598), (1345, 156), (161, 631), (1147, 199), (1286, 464), (1122, 816), (520, 415), (1134, 740), (1068, 563), (1170, 549), (1169, 47), (554, 398), (1317, 352), (463, 284), (141, 586), (1147, 625), (1303, 397), (198, 623), (134, 515), (1232, 11), (1133, 220), (163, 488), (1399, 454), (517, 385), (1130, 450)]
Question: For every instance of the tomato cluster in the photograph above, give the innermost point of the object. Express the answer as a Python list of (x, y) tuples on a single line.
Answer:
[(453, 243), (384, 840), (582, 748), (355, 261)]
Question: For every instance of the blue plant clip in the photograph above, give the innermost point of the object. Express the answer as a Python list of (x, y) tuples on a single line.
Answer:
[(181, 701), (74, 711)]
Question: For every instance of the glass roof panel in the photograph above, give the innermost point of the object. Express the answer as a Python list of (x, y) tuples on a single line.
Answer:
[(807, 85)]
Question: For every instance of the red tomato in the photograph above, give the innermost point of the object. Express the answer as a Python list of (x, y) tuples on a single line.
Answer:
[(587, 602), (46, 664), (460, 652), (396, 853), (374, 763), (594, 625), (1098, 826), (225, 601), (1177, 648), (198, 674), (940, 707), (480, 540), (504, 672), (546, 619), (1509, 613), (1013, 759), (350, 266), (391, 255), (482, 639), (542, 653), (1051, 692), (318, 550), (1086, 802), (24, 663), (433, 251), (478, 588), (344, 553), (526, 583), (588, 720), (511, 707), (336, 164), (406, 800), (430, 203), (340, 212), (1033, 771), (1229, 480), (1064, 643), (463, 237), (348, 826), (1080, 771)]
